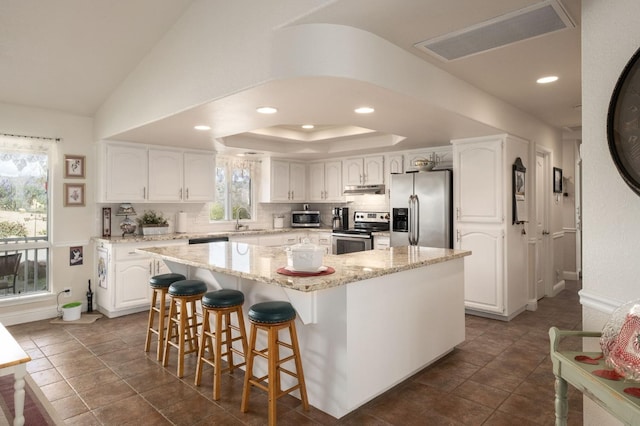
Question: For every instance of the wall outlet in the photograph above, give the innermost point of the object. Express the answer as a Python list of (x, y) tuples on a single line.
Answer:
[(67, 292)]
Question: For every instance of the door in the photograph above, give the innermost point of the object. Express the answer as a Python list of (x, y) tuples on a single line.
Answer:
[(433, 191), (578, 207), (542, 227)]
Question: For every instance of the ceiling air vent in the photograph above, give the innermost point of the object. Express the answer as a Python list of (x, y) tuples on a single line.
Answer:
[(533, 21)]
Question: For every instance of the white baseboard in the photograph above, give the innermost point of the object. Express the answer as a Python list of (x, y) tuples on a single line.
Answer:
[(570, 275), (21, 317), (558, 287)]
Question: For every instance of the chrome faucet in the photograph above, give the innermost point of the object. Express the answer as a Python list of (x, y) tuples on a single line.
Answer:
[(238, 226)]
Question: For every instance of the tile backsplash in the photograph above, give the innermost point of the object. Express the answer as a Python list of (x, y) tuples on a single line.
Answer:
[(198, 213)]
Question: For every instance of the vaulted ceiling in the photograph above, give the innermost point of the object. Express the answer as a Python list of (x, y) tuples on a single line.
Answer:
[(70, 55)]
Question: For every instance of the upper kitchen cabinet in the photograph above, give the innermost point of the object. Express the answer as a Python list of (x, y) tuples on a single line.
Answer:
[(132, 172), (165, 175), (199, 176), (363, 170), (325, 181), (479, 195), (283, 181), (124, 173)]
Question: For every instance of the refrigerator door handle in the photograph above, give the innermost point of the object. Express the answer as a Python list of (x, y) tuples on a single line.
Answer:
[(412, 220), (416, 208)]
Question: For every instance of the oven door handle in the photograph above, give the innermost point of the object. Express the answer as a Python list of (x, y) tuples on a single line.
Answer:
[(354, 236)]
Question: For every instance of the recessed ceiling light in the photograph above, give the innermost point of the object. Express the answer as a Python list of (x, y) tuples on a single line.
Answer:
[(548, 79), (364, 110), (202, 127), (308, 126), (267, 110)]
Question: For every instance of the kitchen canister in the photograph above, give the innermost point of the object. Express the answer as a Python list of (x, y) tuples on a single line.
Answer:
[(278, 221), (181, 223)]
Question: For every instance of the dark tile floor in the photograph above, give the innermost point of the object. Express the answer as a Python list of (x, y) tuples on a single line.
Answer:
[(501, 375)]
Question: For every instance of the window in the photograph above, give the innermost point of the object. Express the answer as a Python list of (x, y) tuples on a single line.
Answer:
[(234, 190), (24, 216)]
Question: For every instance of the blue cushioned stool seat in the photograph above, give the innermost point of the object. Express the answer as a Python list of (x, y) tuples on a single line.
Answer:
[(272, 312), (222, 298), (165, 280), (187, 288)]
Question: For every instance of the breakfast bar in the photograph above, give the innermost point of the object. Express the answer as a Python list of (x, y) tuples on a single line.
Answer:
[(379, 318)]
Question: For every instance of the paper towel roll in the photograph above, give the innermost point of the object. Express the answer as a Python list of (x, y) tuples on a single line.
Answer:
[(181, 223)]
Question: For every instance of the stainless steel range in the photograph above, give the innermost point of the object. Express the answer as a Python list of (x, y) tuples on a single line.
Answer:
[(360, 237)]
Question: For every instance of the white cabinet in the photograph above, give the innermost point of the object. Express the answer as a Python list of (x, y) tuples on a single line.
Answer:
[(322, 239), (325, 181), (125, 173), (363, 170), (132, 172), (165, 175), (283, 181), (483, 277), (199, 176), (381, 242), (480, 195), (123, 276), (496, 273)]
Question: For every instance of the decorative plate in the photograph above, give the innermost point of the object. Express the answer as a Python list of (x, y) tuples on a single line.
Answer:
[(623, 124)]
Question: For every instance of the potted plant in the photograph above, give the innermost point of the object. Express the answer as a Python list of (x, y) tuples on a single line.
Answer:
[(152, 223)]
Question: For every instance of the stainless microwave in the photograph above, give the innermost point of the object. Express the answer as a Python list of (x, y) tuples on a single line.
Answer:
[(305, 219)]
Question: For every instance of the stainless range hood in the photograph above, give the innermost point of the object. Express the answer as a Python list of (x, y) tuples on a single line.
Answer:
[(363, 189)]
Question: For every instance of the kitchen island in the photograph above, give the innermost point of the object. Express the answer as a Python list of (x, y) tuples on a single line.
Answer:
[(381, 317)]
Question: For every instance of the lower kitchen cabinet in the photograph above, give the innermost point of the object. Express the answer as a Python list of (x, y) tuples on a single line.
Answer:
[(123, 276), (381, 242), (484, 288)]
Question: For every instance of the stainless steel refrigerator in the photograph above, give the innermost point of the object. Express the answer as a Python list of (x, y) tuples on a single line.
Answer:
[(421, 209)]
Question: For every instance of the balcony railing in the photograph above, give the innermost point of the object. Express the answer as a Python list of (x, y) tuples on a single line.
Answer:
[(33, 270)]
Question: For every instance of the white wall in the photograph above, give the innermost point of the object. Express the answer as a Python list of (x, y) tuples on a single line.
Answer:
[(70, 226), (611, 35)]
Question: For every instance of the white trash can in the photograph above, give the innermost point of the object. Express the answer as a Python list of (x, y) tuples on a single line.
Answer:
[(71, 311)]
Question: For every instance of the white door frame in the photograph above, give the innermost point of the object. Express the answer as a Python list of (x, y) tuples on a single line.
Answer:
[(578, 209), (546, 251)]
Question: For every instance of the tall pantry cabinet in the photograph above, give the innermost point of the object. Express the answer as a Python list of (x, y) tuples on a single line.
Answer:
[(495, 274)]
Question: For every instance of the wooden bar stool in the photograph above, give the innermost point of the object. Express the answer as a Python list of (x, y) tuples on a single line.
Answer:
[(183, 319), (272, 317), (160, 285), (221, 304)]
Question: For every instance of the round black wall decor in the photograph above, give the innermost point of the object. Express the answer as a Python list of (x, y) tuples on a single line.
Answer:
[(623, 123)]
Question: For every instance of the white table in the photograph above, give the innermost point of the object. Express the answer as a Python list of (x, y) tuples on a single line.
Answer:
[(13, 360)]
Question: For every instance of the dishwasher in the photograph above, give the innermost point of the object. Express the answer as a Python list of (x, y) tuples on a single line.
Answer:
[(204, 240)]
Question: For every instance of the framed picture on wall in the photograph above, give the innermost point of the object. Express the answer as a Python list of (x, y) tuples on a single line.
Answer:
[(74, 166), (74, 194), (557, 180)]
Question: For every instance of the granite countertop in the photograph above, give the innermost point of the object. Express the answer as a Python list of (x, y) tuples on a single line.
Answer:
[(261, 263), (117, 239)]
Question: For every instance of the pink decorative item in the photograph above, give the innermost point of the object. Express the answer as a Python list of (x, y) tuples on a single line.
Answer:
[(620, 341)]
